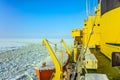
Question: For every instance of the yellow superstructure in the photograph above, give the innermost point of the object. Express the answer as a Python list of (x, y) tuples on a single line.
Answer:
[(101, 31), (77, 35), (91, 30)]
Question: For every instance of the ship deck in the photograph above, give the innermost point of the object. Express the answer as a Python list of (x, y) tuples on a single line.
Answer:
[(105, 66)]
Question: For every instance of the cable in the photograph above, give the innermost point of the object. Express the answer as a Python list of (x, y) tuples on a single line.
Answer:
[(51, 42), (90, 34)]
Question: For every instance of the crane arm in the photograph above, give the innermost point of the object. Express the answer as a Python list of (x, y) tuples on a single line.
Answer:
[(58, 71), (66, 47)]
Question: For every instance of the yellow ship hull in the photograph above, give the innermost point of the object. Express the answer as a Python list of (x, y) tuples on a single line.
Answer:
[(110, 32)]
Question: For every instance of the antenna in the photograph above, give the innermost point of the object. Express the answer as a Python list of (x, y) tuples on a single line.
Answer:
[(99, 1), (87, 11)]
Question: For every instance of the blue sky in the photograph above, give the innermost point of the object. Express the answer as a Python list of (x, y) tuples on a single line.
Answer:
[(41, 18)]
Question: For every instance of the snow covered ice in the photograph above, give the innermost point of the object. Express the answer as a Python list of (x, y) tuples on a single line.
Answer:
[(19, 56)]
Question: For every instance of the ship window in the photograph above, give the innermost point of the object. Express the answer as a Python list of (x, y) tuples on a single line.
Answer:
[(85, 24), (98, 24), (115, 59), (107, 5)]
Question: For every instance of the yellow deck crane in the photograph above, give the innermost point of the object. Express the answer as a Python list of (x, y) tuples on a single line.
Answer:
[(66, 47), (58, 69), (58, 66)]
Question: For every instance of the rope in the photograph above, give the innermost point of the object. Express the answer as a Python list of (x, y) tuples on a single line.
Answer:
[(55, 45), (90, 35), (81, 56), (51, 42)]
